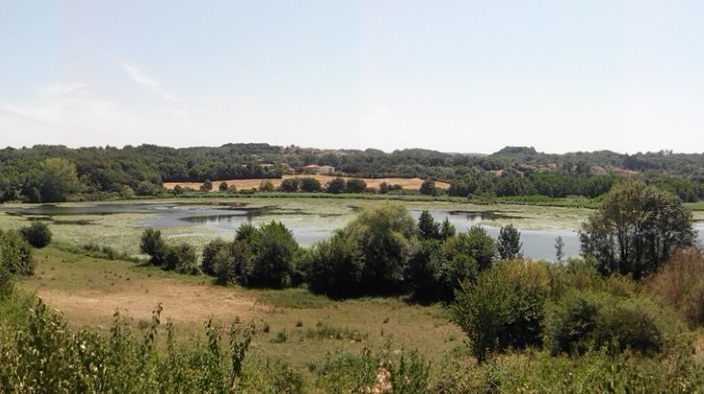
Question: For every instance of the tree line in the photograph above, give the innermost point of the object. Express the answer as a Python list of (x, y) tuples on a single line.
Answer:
[(27, 174)]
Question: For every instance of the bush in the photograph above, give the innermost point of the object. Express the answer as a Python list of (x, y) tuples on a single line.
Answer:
[(6, 285), (335, 268), (45, 355), (681, 283), (310, 185), (504, 308), (571, 323), (590, 321), (232, 264), (153, 245), (274, 248), (384, 236), (355, 185), (335, 186), (210, 251), (37, 234), (482, 310), (16, 253), (182, 259)]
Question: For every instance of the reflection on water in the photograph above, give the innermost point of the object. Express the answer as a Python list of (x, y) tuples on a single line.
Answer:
[(537, 244)]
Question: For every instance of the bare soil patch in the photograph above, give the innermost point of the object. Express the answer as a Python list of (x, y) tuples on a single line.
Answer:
[(183, 302)]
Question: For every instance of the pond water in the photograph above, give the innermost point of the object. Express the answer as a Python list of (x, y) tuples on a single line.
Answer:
[(308, 228)]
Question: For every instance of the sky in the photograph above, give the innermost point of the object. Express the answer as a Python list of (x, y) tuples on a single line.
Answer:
[(454, 76)]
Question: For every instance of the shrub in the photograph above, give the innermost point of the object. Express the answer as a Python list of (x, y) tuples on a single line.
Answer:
[(310, 185), (289, 185), (153, 245), (335, 185), (631, 326), (210, 251), (146, 188), (182, 259), (384, 236), (16, 253), (335, 268), (482, 310), (274, 248), (355, 185), (572, 322), (6, 285), (232, 264), (37, 234), (590, 321), (504, 308), (681, 283)]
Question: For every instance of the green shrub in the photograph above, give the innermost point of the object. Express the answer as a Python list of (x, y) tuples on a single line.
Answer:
[(585, 321), (504, 308), (593, 372), (232, 263), (16, 253), (153, 245), (210, 251), (572, 323), (182, 259), (335, 268), (37, 234), (6, 283), (273, 248), (482, 310)]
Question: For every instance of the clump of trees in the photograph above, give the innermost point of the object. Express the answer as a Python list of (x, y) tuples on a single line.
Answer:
[(384, 251), (590, 304), (181, 258), (262, 256), (636, 228)]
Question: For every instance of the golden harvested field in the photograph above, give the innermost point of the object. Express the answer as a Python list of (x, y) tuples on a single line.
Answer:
[(241, 184)]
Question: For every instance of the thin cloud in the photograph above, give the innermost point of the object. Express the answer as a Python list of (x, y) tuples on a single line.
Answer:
[(140, 77)]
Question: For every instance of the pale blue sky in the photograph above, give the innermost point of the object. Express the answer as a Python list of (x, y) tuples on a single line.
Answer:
[(461, 76)]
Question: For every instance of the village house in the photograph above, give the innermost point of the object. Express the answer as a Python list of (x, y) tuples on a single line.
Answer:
[(320, 170)]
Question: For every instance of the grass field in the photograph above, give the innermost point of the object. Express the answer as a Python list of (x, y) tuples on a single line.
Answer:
[(292, 325)]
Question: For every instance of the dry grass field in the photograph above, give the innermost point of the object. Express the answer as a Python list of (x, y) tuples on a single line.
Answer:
[(293, 325), (243, 184)]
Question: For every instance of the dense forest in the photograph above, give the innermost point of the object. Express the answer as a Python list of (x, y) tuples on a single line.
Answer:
[(57, 173)]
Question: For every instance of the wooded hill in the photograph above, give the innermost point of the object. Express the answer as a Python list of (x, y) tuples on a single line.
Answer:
[(108, 172)]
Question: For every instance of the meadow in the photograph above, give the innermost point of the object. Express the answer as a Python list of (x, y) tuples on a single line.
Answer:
[(307, 333)]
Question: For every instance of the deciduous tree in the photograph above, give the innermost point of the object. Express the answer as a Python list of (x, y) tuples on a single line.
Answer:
[(635, 229)]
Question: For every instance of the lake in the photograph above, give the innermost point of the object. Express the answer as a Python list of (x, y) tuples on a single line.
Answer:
[(307, 227)]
